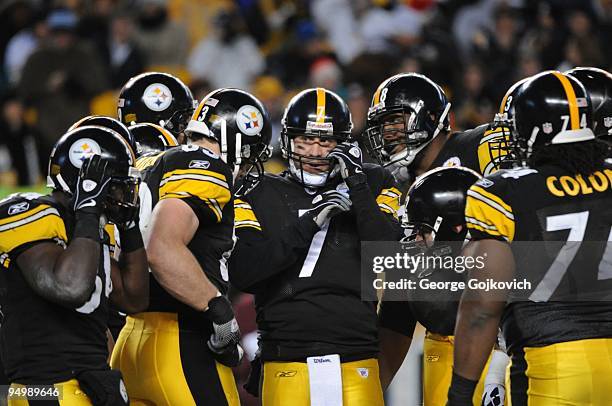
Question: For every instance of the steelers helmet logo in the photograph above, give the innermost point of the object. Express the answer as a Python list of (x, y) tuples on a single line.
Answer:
[(157, 97), (249, 120), (82, 149)]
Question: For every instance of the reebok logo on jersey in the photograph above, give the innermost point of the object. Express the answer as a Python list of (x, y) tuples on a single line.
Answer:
[(198, 164), (286, 374)]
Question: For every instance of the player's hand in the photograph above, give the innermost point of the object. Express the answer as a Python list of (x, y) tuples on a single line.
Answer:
[(224, 342), (349, 159), (328, 204), (493, 395), (92, 185)]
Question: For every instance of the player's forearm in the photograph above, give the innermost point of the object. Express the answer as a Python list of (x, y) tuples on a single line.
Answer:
[(372, 224), (180, 274), (134, 274), (74, 273), (393, 349), (475, 335)]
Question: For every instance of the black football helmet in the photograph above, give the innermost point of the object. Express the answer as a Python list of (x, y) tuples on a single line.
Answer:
[(598, 84), (157, 98), (319, 113), (239, 122), (107, 122), (151, 137), (550, 108), (498, 139), (407, 112), (434, 211), (435, 203), (68, 154)]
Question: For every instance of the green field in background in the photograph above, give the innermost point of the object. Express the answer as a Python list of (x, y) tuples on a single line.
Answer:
[(5, 191)]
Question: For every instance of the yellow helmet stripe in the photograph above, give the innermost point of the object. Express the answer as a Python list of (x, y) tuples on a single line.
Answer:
[(320, 105), (170, 140), (571, 98)]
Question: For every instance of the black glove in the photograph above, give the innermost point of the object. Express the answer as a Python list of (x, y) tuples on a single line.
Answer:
[(328, 204), (349, 158), (92, 185), (224, 342)]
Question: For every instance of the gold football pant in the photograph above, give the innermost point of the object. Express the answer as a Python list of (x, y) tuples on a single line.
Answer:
[(287, 383), (71, 395), (572, 373), (438, 370), (164, 365)]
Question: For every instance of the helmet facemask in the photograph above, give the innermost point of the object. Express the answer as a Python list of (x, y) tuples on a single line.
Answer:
[(503, 148), (298, 160), (396, 136), (178, 121), (121, 203)]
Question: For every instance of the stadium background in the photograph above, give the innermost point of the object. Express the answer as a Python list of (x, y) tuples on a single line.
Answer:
[(274, 48)]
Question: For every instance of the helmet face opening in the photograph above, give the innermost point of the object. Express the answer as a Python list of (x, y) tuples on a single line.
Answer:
[(393, 135), (121, 203), (314, 122)]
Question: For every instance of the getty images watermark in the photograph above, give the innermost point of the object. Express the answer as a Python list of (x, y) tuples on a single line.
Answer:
[(542, 271)]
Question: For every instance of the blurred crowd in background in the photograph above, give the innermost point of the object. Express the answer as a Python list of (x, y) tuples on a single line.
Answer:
[(64, 59)]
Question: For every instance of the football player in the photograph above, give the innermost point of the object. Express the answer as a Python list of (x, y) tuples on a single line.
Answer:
[(559, 332), (151, 139), (179, 352), (434, 213), (408, 131), (158, 98), (60, 276), (598, 84), (108, 122), (299, 241)]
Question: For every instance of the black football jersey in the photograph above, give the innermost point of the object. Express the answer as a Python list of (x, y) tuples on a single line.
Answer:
[(201, 179), (314, 305), (43, 342), (558, 225)]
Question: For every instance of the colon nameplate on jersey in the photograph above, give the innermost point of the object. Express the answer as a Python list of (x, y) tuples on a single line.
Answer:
[(564, 268)]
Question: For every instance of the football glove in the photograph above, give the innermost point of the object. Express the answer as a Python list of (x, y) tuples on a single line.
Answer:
[(224, 342), (349, 159), (92, 185), (328, 204)]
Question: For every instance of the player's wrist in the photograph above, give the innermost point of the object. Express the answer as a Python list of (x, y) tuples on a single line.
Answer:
[(356, 180), (87, 225), (461, 391), (131, 239)]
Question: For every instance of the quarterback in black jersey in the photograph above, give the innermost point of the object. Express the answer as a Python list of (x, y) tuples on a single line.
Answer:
[(58, 273), (298, 250), (559, 343), (180, 350)]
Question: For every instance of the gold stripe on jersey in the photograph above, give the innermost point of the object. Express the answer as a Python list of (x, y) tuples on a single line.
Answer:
[(320, 105), (208, 186), (487, 213), (145, 162), (571, 99), (389, 201), (244, 216), (41, 223)]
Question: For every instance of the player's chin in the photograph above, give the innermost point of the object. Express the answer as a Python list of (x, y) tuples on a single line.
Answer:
[(316, 169)]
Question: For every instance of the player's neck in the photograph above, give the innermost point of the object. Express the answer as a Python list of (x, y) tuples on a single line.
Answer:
[(209, 144), (430, 153)]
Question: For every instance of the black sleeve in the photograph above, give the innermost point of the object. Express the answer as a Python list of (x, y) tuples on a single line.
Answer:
[(257, 257), (396, 316), (372, 223)]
